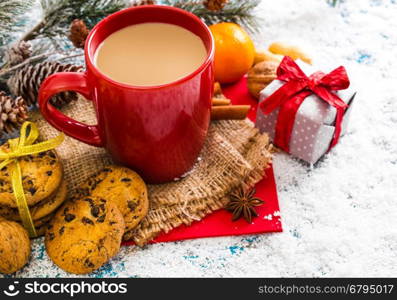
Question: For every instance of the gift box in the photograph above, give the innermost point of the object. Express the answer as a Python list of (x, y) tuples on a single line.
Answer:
[(305, 114)]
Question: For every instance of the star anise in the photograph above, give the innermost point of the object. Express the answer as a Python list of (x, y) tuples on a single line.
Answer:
[(242, 204)]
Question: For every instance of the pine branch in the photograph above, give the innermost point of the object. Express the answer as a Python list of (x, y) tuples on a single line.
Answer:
[(236, 11), (58, 14), (11, 12), (36, 58), (61, 55)]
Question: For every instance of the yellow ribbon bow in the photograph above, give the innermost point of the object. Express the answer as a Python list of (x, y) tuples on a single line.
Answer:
[(19, 147)]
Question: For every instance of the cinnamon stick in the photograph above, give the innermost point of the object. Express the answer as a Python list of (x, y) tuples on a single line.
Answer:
[(220, 101), (229, 112)]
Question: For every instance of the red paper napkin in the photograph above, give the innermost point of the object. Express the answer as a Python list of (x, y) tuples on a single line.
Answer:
[(219, 223)]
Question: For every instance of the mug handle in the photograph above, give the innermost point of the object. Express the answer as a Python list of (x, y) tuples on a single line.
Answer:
[(68, 81)]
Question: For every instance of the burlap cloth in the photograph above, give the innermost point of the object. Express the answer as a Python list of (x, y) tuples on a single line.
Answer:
[(235, 155)]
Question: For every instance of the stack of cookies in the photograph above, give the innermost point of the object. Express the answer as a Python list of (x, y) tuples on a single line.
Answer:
[(42, 180), (88, 229)]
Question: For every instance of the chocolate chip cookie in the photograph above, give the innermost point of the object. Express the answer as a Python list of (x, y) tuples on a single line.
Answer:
[(14, 246), (84, 234), (42, 224), (41, 209), (41, 176), (44, 220), (40, 231), (121, 186)]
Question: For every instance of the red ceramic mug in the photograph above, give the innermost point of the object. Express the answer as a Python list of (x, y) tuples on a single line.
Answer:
[(157, 131)]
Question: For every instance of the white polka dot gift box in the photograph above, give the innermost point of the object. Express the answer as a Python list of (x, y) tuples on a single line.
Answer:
[(305, 115)]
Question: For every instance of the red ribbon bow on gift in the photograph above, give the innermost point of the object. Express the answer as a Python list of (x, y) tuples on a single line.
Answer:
[(297, 87)]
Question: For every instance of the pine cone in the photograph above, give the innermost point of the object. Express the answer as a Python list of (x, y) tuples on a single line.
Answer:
[(215, 5), (142, 2), (13, 113), (26, 82), (78, 33), (18, 53)]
